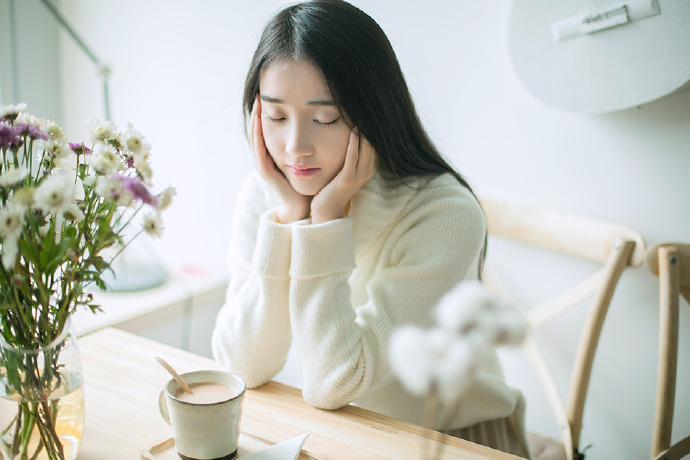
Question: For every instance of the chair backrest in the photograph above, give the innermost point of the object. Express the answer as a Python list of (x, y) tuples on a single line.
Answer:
[(671, 263), (613, 246)]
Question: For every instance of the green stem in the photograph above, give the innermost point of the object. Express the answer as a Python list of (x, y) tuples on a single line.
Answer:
[(31, 162), (37, 417), (131, 218), (29, 155), (28, 423), (25, 314), (49, 433), (10, 426), (124, 246), (15, 445), (40, 166)]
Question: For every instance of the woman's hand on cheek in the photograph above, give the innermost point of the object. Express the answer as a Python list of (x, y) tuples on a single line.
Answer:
[(360, 165), (295, 206)]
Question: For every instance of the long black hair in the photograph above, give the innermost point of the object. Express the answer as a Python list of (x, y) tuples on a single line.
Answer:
[(362, 72)]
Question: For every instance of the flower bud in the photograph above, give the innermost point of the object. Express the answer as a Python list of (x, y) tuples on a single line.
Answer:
[(24, 196), (73, 255), (17, 281), (166, 197)]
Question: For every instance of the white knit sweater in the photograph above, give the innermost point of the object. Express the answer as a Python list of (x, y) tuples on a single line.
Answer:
[(339, 289)]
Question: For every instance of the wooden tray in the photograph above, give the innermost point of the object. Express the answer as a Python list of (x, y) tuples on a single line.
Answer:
[(165, 450)]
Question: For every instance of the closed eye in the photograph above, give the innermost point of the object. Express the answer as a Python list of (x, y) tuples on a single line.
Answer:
[(274, 120), (329, 123)]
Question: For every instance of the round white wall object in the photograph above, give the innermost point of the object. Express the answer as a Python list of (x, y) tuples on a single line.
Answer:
[(604, 71)]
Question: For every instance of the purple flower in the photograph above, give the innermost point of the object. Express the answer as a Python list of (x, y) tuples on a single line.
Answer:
[(138, 189), (79, 149), (24, 129), (8, 136)]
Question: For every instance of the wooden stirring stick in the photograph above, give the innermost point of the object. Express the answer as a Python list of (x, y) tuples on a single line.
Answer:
[(175, 375)]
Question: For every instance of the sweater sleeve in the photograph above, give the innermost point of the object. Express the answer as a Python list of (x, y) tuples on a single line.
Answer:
[(343, 348), (252, 332)]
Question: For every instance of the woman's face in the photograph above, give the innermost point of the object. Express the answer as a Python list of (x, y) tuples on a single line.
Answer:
[(305, 133)]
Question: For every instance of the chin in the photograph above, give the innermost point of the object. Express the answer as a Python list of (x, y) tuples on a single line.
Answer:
[(305, 189)]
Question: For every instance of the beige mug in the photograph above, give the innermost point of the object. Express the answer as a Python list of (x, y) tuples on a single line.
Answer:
[(206, 425)]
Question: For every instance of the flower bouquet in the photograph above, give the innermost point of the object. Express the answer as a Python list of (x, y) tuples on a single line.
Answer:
[(439, 364), (65, 209)]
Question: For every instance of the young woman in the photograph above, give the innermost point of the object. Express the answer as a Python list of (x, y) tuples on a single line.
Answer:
[(352, 226)]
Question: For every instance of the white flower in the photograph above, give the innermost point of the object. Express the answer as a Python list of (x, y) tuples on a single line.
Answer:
[(101, 131), (112, 189), (105, 160), (135, 142), (54, 149), (10, 112), (101, 165), (14, 176), (10, 250), (24, 196), (143, 167), (422, 359), (166, 198), (28, 119), (508, 327), (469, 309), (42, 123), (153, 225), (55, 194), (54, 131), (73, 213), (456, 368), (446, 358), (90, 180), (12, 219), (409, 359), (459, 308)]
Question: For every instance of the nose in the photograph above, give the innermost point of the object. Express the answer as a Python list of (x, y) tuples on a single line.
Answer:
[(299, 142)]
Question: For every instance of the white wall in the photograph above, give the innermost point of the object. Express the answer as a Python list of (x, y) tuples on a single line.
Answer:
[(35, 79), (177, 75)]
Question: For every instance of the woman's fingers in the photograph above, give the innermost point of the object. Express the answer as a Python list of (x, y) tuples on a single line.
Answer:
[(360, 161), (263, 159), (351, 155), (358, 168), (366, 165)]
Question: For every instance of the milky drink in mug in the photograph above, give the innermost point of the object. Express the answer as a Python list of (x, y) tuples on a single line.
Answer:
[(206, 424)]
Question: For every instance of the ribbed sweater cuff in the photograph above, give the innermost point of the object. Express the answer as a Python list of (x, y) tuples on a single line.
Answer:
[(322, 249), (272, 256)]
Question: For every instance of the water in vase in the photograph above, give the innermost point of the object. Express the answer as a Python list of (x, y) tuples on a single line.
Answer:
[(66, 406)]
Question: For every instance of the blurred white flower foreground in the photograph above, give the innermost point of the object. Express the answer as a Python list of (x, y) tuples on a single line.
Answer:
[(441, 362)]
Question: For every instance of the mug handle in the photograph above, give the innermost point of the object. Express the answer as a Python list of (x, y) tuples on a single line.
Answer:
[(163, 407)]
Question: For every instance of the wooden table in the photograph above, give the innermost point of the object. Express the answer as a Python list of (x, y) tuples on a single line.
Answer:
[(122, 382)]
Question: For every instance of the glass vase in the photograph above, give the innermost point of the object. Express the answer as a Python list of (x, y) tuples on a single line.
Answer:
[(41, 400)]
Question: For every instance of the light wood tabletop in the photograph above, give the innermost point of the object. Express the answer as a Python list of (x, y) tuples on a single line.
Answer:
[(123, 380)]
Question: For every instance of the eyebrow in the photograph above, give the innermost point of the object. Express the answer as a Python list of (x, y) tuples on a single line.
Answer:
[(275, 100)]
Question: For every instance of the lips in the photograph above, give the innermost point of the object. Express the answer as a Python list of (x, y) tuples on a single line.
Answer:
[(302, 171)]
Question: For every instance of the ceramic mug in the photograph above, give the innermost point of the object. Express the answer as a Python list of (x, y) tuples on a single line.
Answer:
[(204, 430)]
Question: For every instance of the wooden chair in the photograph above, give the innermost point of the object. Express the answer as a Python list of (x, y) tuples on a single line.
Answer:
[(671, 263), (613, 246)]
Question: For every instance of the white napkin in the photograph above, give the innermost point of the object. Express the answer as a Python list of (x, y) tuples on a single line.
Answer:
[(286, 450)]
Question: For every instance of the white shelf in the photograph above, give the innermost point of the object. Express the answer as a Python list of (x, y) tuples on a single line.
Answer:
[(185, 285)]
